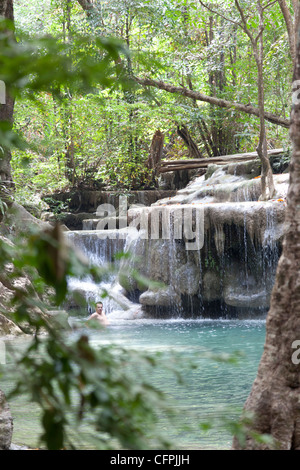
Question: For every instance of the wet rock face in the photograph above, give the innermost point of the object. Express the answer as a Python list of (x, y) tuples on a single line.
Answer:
[(243, 290), (239, 278), (211, 286), (6, 424), (229, 274), (80, 207), (8, 328), (187, 278), (234, 271), (161, 298)]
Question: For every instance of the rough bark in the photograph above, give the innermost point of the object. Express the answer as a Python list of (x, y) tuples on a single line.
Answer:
[(274, 397), (6, 424), (7, 109), (156, 150)]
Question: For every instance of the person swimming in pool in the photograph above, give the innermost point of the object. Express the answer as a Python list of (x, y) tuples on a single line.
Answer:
[(99, 315)]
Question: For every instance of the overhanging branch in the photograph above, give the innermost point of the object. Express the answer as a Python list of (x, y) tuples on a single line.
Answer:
[(248, 109)]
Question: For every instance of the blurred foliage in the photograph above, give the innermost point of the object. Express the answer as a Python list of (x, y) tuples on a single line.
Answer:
[(79, 117), (97, 396), (108, 389), (64, 377)]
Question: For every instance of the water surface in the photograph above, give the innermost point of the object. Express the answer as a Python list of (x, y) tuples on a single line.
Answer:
[(214, 392)]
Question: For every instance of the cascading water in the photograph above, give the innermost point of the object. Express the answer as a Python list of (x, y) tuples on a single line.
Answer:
[(230, 276), (233, 270), (100, 248)]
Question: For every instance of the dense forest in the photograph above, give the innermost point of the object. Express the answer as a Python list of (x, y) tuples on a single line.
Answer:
[(85, 88), (201, 74)]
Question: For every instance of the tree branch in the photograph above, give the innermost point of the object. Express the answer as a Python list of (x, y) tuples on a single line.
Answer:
[(290, 26), (244, 25), (219, 14), (269, 5), (87, 6), (212, 100)]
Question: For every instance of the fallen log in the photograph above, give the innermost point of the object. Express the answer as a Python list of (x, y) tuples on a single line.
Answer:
[(177, 165), (227, 158), (207, 161), (181, 167)]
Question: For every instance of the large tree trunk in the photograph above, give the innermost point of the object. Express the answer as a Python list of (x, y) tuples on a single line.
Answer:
[(274, 398), (6, 424), (7, 109)]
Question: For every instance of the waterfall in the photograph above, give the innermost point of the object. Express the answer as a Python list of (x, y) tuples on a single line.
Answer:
[(100, 248), (230, 274)]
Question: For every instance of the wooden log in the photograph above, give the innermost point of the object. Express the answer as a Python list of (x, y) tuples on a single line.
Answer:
[(223, 158), (190, 166), (179, 168), (206, 161)]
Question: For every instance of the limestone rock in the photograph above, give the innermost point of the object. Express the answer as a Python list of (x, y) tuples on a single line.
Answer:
[(18, 219), (238, 297), (187, 279), (211, 286), (243, 290), (162, 297), (137, 248), (251, 168), (8, 327), (242, 243), (8, 285)]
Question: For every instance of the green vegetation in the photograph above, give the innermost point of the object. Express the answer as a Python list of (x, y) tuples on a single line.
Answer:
[(85, 114), (100, 135), (106, 390)]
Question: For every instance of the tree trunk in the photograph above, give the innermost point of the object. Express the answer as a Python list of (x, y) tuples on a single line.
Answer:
[(155, 154), (87, 6), (6, 424), (183, 132), (6, 109), (291, 23), (267, 183), (274, 398)]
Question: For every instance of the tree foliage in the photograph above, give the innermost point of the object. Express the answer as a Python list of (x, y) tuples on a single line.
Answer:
[(105, 389), (94, 136), (80, 116), (65, 378)]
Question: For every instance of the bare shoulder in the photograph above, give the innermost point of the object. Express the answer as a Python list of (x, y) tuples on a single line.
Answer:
[(94, 315)]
